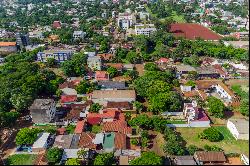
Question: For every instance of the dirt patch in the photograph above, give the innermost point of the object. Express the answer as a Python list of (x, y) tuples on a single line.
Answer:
[(156, 143), (140, 69), (234, 161), (237, 81)]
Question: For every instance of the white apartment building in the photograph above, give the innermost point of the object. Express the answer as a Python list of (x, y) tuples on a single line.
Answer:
[(146, 29), (126, 20)]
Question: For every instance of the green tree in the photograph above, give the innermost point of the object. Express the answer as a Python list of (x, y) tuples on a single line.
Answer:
[(216, 107), (192, 149), (211, 134), (72, 162), (7, 119), (84, 87), (27, 136), (244, 107), (151, 66), (51, 62), (132, 57), (82, 153), (112, 71), (21, 101), (147, 158), (138, 106), (54, 155), (213, 148), (95, 107), (104, 159)]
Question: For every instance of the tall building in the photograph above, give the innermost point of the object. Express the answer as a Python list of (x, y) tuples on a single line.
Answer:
[(58, 55), (144, 29), (22, 40)]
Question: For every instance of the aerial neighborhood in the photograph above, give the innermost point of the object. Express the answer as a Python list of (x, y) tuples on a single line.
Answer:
[(124, 82)]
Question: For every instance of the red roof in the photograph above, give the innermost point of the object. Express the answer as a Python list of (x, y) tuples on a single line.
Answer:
[(86, 141), (94, 120), (5, 44), (61, 131), (105, 56), (192, 31), (202, 116), (120, 141), (107, 113), (118, 66), (69, 84), (68, 98), (79, 127), (163, 60), (56, 24), (117, 126), (101, 75), (219, 69)]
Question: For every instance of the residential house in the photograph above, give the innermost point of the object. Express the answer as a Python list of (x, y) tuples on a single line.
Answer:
[(43, 110), (8, 48), (94, 62), (41, 143), (57, 25), (117, 126), (69, 141), (184, 160), (162, 61), (106, 115), (184, 69), (68, 87), (58, 55), (86, 141), (80, 127), (67, 100), (195, 116), (101, 76), (118, 66), (120, 105), (109, 142), (239, 128), (224, 92), (72, 154), (211, 157), (128, 66), (79, 35), (128, 153), (104, 96), (112, 85), (144, 29), (186, 88), (221, 71), (106, 56), (36, 34), (53, 38), (207, 72)]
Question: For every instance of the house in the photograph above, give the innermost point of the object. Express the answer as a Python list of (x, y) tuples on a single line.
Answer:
[(79, 35), (120, 141), (239, 128), (106, 56), (183, 69), (43, 110), (162, 61), (57, 25), (70, 154), (53, 38), (36, 34), (8, 48), (68, 87), (118, 66), (211, 157), (186, 88), (41, 143), (86, 141), (144, 29), (195, 116), (131, 154), (109, 142), (58, 55), (193, 31), (94, 62), (101, 76), (67, 100), (104, 96), (128, 66), (120, 105), (69, 141), (220, 70), (224, 92), (207, 72), (106, 115), (117, 126), (112, 85), (184, 160), (80, 125)]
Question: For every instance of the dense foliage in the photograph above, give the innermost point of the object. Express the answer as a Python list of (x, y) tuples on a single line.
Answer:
[(27, 136), (147, 158), (216, 107), (104, 159), (211, 134), (54, 155)]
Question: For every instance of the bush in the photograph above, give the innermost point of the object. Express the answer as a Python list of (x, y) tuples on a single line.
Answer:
[(211, 134), (134, 142), (192, 149), (212, 148), (54, 155)]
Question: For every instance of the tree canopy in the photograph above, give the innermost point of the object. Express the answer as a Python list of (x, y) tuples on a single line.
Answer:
[(27, 136), (147, 158)]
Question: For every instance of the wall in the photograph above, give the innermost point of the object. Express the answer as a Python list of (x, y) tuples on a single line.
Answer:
[(231, 127), (192, 124)]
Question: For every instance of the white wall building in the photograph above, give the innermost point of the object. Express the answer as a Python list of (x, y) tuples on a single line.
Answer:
[(79, 34), (126, 20), (239, 128), (94, 62), (146, 29)]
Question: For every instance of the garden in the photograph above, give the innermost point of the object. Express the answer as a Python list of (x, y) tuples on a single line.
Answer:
[(21, 159)]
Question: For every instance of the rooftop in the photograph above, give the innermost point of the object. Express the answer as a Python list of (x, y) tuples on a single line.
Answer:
[(210, 156), (109, 140), (5, 44), (86, 140), (63, 141), (42, 104), (41, 140), (241, 125), (79, 127), (185, 160), (97, 94)]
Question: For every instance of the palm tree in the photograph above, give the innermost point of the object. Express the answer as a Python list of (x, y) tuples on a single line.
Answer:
[(82, 153)]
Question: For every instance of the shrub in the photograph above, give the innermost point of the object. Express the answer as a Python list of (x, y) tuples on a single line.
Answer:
[(211, 134), (54, 155), (212, 148), (192, 149), (134, 142)]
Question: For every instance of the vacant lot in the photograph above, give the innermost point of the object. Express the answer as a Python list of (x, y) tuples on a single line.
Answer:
[(242, 82), (21, 159), (229, 144)]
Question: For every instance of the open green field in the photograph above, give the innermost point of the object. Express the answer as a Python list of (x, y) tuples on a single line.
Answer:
[(177, 18), (228, 144), (21, 159)]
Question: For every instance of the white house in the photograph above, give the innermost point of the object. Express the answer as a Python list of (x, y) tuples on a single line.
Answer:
[(94, 62), (185, 88), (224, 92), (144, 29), (41, 143), (239, 128), (126, 20), (79, 34)]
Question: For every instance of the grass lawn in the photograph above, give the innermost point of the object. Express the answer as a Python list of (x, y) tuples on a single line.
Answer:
[(229, 144), (21, 159), (47, 128), (70, 129), (176, 122)]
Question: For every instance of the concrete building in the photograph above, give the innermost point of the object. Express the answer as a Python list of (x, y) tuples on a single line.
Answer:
[(239, 128), (7, 48), (43, 111), (79, 34), (144, 29), (126, 20), (58, 55), (36, 34)]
